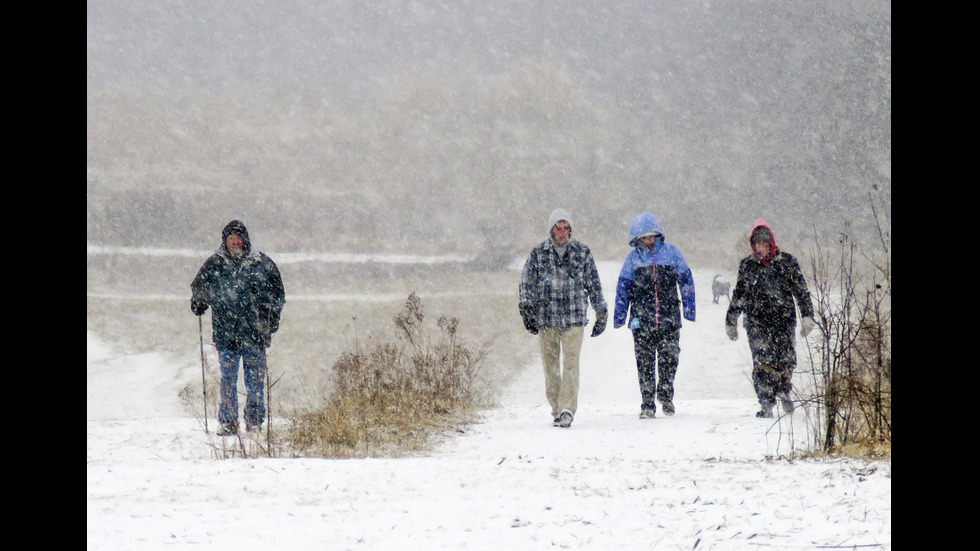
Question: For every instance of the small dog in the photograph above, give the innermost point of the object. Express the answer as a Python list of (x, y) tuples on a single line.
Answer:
[(720, 289)]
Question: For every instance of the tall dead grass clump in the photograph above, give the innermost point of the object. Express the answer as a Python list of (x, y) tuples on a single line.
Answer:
[(392, 398)]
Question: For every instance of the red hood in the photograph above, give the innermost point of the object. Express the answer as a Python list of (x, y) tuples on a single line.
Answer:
[(761, 223)]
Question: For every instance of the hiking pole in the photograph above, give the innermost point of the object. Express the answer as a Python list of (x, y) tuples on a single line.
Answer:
[(204, 383), (268, 408)]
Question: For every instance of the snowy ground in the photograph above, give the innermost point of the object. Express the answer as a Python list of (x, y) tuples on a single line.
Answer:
[(713, 476)]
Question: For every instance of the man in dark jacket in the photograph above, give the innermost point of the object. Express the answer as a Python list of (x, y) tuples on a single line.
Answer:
[(769, 281), (647, 290), (558, 281), (244, 289)]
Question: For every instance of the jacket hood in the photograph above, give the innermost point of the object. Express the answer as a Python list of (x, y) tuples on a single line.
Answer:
[(761, 224), (643, 224), (236, 227)]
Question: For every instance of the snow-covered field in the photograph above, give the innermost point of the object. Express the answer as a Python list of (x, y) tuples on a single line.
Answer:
[(713, 476)]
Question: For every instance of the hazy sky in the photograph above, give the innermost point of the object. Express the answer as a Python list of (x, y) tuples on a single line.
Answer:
[(796, 93)]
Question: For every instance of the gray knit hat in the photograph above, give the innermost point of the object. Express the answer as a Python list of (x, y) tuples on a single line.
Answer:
[(556, 216)]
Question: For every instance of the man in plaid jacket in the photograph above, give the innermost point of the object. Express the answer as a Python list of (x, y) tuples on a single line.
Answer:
[(558, 282)]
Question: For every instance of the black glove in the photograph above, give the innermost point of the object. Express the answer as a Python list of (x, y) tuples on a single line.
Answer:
[(265, 331), (600, 322), (198, 307), (268, 319), (527, 314)]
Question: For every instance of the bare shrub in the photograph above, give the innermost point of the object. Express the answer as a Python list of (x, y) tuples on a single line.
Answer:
[(851, 357), (395, 396)]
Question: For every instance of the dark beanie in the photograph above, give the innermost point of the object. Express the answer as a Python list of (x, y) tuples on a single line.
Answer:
[(761, 235)]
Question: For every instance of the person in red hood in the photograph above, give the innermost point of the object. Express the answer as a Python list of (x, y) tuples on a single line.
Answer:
[(769, 289)]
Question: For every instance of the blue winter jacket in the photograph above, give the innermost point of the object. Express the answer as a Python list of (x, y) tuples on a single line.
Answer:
[(649, 281)]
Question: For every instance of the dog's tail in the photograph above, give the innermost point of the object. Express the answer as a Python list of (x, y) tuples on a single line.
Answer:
[(716, 277)]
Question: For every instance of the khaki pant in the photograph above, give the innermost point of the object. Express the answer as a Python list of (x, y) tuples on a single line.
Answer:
[(561, 381)]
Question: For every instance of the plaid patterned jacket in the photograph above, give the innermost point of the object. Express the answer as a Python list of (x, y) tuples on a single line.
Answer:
[(561, 288)]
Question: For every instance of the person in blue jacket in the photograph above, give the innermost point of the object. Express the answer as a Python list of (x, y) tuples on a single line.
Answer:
[(244, 289), (654, 285)]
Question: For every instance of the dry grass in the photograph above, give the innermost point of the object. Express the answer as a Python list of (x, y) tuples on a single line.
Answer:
[(393, 396)]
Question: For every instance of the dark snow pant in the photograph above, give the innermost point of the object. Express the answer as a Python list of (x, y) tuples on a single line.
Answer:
[(773, 361), (253, 366), (657, 352)]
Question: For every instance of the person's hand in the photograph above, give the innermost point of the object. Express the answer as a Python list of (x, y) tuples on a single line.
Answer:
[(600, 322), (527, 314), (732, 331), (262, 324), (198, 307), (806, 325), (268, 319)]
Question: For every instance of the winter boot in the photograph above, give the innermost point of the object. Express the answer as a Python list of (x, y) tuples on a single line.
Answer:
[(648, 413), (766, 410), (787, 404), (668, 407)]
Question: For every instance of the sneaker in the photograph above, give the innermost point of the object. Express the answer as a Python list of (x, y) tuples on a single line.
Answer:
[(228, 429), (648, 413), (565, 420), (766, 410), (668, 407)]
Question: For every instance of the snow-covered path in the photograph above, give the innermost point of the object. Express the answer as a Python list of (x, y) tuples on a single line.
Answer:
[(702, 479)]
